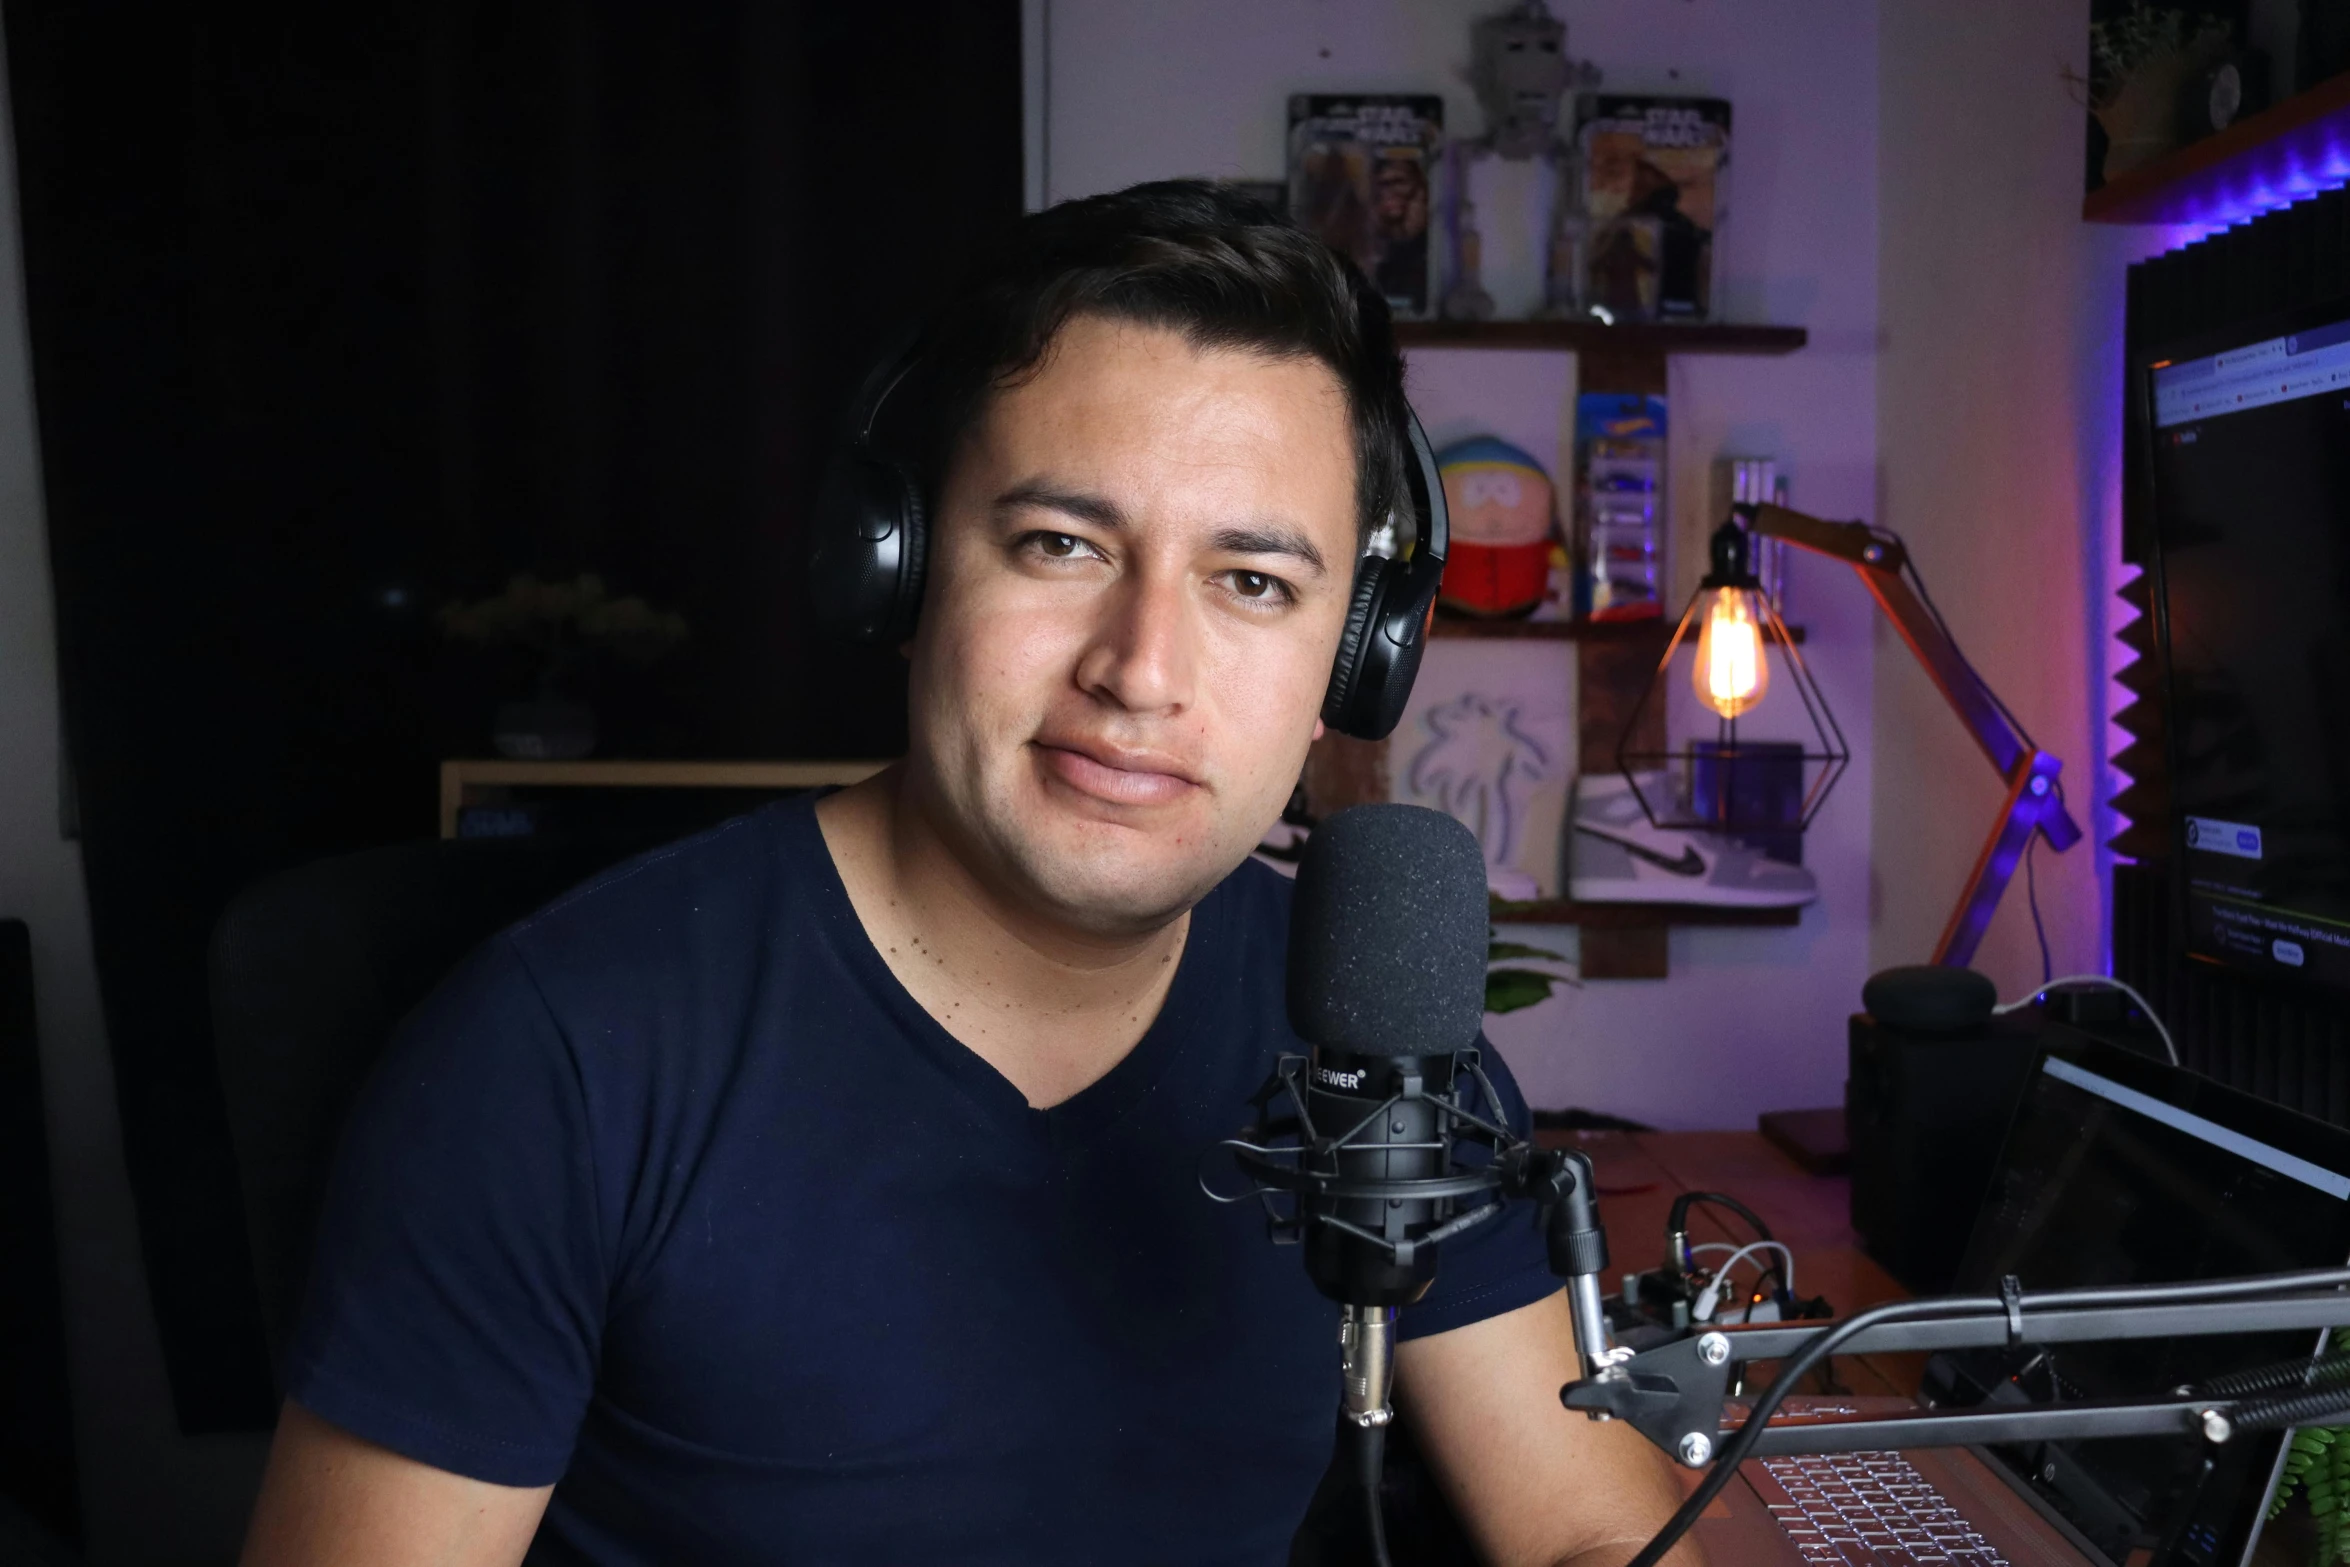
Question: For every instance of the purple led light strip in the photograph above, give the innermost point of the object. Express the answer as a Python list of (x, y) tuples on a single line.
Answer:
[(2306, 154)]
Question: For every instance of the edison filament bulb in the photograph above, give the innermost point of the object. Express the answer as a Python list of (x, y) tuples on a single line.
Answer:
[(1731, 674)]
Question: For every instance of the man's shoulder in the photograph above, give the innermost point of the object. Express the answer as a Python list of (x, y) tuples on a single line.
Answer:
[(693, 904)]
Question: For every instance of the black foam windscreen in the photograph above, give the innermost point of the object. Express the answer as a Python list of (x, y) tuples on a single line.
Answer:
[(1387, 938)]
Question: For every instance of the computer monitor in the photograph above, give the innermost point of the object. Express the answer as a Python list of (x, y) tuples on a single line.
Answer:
[(2250, 483), (2121, 1170)]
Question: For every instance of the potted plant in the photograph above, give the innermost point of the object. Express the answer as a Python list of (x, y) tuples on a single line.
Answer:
[(561, 624), (2317, 1466), (2140, 63)]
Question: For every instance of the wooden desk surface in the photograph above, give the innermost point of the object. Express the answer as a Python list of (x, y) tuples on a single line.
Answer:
[(1640, 1173)]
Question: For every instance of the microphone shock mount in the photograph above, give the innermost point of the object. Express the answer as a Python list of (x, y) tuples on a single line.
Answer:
[(1373, 1162)]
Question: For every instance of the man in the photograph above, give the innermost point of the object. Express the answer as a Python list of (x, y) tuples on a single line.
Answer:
[(824, 1188)]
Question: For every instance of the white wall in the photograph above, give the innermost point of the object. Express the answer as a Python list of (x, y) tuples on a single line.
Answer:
[(149, 1495), (1999, 411), (1751, 1020)]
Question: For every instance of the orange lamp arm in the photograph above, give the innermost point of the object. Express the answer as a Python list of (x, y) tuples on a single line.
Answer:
[(2032, 802)]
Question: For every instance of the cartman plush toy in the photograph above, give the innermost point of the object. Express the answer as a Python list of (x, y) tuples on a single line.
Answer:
[(1502, 526)]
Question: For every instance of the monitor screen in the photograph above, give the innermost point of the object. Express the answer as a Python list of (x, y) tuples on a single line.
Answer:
[(2120, 1170), (2251, 495)]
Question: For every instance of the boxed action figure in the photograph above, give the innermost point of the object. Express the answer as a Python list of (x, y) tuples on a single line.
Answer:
[(1649, 176), (1360, 170)]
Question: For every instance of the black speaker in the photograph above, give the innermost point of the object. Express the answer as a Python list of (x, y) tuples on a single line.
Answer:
[(1925, 1111)]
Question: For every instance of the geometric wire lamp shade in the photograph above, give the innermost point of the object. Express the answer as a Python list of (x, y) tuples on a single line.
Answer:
[(1750, 747)]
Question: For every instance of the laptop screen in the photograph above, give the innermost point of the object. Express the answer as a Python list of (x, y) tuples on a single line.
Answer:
[(2120, 1170)]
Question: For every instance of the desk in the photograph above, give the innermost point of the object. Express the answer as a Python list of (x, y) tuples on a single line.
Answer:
[(1640, 1173)]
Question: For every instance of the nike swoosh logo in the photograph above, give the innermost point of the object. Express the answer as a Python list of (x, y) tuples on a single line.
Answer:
[(1689, 864)]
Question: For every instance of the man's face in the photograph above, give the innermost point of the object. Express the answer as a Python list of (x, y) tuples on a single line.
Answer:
[(1141, 563)]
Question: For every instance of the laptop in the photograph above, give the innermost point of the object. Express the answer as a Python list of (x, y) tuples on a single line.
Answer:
[(2116, 1170)]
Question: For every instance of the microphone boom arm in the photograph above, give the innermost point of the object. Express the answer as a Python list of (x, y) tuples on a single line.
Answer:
[(1561, 1182), (1675, 1394)]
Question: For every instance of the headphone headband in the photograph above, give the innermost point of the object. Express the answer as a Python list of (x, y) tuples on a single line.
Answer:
[(1435, 514), (882, 380)]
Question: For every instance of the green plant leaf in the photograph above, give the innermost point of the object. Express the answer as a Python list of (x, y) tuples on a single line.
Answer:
[(1498, 950), (2317, 1469), (1510, 989)]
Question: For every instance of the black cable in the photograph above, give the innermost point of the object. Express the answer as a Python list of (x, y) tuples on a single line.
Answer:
[(1826, 1342), (1370, 1445), (1678, 1223), (1917, 580), (2032, 883), (2032, 897), (1777, 1293)]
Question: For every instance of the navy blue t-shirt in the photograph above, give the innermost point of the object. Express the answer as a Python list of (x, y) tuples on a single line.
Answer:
[(674, 1197)]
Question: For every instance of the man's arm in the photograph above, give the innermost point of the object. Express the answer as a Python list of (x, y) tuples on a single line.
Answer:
[(329, 1497), (1538, 1484)]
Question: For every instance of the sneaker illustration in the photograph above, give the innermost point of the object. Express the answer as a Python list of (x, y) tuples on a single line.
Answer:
[(1619, 857)]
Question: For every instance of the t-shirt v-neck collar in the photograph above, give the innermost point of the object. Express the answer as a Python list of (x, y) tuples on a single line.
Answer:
[(1093, 1109)]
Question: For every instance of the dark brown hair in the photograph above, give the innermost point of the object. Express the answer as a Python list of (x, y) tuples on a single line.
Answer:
[(1194, 258)]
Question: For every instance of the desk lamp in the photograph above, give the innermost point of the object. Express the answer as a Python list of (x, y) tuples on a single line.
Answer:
[(1737, 635), (1718, 784)]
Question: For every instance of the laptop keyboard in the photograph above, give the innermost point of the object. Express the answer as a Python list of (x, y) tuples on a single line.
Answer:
[(1868, 1510)]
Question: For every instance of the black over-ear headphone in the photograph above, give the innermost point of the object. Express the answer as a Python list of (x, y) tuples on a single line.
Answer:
[(872, 536)]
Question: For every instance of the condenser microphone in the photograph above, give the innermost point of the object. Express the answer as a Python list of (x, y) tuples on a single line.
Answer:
[(1387, 941), (1387, 944), (1387, 952)]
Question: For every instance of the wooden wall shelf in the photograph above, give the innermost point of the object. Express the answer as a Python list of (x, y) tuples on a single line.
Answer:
[(467, 781), (2288, 150), (1533, 630), (1560, 630), (1583, 336), (1631, 940), (1633, 916)]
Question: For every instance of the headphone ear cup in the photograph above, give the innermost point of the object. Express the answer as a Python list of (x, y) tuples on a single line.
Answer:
[(1379, 649), (868, 547), (1341, 705), (914, 560), (1389, 669)]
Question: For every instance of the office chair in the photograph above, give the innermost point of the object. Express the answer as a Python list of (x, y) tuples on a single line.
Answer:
[(310, 972), (40, 1508)]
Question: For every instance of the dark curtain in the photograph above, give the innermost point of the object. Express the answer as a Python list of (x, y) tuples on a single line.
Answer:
[(342, 314)]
